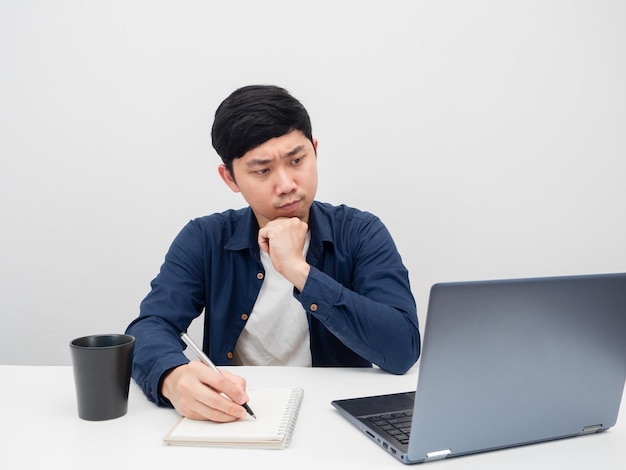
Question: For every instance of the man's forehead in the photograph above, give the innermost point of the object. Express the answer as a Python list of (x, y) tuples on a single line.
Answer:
[(275, 148)]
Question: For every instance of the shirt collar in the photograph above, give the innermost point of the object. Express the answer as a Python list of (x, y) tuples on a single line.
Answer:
[(245, 234)]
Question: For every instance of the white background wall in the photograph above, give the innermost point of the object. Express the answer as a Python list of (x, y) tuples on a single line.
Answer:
[(490, 137)]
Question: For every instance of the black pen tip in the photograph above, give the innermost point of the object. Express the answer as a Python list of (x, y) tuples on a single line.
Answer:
[(245, 405)]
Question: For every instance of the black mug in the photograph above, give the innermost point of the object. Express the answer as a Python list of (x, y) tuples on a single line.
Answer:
[(102, 367)]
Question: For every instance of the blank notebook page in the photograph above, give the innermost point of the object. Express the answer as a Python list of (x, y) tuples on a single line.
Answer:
[(276, 410)]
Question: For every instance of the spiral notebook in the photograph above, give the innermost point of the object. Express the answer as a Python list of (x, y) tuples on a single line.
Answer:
[(276, 411)]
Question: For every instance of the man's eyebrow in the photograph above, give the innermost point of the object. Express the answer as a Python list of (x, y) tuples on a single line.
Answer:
[(258, 162), (295, 151), (264, 161)]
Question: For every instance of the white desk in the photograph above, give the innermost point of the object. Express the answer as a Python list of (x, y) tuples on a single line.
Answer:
[(40, 427)]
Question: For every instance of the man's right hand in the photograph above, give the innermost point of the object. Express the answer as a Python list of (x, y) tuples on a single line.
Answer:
[(198, 392)]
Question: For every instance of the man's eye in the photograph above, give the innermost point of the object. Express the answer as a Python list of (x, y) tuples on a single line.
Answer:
[(296, 161), (262, 171)]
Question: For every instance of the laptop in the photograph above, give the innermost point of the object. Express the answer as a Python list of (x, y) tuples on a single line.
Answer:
[(506, 363)]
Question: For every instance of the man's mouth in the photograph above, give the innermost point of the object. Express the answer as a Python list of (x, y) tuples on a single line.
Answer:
[(290, 205)]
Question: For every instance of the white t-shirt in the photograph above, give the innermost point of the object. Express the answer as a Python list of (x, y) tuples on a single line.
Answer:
[(277, 331)]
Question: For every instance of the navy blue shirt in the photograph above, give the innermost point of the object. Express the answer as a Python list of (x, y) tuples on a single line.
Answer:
[(357, 296)]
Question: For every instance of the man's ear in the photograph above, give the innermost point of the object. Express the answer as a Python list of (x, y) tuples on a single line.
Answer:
[(314, 142), (228, 178)]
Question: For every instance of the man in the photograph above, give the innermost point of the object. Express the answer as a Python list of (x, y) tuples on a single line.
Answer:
[(285, 281)]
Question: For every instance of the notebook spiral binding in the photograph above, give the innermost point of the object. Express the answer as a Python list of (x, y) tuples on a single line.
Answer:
[(290, 418)]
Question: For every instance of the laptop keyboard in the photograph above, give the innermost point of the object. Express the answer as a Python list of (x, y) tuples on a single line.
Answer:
[(397, 425)]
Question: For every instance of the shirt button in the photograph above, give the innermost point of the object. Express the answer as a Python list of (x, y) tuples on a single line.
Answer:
[(229, 355), (313, 307), (259, 276), (244, 316)]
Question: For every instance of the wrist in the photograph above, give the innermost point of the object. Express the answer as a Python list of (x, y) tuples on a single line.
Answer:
[(167, 383), (298, 274)]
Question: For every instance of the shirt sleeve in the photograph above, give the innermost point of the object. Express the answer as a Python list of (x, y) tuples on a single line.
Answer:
[(175, 299), (376, 316)]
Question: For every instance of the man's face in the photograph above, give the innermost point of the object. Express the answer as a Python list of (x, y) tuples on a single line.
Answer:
[(278, 178)]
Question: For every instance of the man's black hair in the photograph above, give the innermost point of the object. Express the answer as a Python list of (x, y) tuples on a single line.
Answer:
[(252, 115)]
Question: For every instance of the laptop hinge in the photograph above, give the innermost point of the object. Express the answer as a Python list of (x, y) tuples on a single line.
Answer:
[(592, 429), (440, 454)]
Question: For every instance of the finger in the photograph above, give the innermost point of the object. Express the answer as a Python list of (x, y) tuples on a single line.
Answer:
[(216, 407), (235, 387), (223, 391), (263, 240)]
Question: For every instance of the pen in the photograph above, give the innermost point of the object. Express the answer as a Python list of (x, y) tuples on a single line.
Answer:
[(205, 360)]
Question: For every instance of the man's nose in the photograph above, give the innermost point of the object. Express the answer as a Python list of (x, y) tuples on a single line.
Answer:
[(284, 181)]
